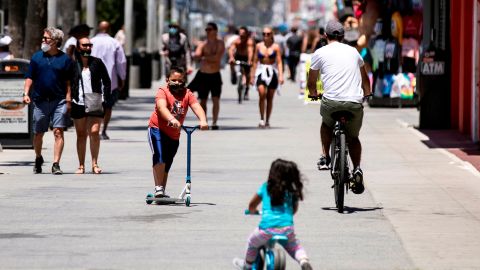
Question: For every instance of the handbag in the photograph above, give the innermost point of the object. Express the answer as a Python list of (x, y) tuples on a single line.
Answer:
[(93, 101)]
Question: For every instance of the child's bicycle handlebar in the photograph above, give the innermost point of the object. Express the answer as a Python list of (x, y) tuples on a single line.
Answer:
[(247, 212)]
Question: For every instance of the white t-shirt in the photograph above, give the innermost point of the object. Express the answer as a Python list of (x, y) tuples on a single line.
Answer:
[(71, 41), (87, 86), (339, 65)]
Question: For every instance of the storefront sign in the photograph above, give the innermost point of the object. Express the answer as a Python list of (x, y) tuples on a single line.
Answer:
[(13, 112), (433, 68)]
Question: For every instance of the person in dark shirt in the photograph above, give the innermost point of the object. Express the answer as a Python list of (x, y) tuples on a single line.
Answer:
[(294, 45), (47, 85)]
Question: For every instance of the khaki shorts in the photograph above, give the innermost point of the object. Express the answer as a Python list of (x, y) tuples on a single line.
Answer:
[(353, 125)]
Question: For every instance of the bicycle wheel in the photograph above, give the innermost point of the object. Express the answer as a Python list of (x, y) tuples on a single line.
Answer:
[(279, 261), (240, 90), (342, 168)]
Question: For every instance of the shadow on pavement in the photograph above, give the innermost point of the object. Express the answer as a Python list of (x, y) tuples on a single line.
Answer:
[(351, 210)]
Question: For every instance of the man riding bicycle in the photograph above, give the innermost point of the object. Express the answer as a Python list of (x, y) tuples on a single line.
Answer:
[(242, 50), (345, 84)]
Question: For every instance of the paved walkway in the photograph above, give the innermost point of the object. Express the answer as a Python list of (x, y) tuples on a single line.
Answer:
[(420, 209)]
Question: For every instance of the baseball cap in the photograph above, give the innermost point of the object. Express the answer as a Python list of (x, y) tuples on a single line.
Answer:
[(334, 28), (81, 28)]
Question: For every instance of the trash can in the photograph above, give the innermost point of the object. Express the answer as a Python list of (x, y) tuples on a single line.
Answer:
[(144, 61), (434, 86), (16, 118)]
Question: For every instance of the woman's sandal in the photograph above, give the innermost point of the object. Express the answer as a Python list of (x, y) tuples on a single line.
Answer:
[(96, 169), (80, 170)]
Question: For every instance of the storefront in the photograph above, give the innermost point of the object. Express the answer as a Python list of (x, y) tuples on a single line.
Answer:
[(465, 78)]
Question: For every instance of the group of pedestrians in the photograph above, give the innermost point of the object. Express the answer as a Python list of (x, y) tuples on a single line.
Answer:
[(62, 85), (81, 82)]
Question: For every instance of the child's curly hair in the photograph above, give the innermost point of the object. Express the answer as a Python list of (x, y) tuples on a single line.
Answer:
[(284, 177)]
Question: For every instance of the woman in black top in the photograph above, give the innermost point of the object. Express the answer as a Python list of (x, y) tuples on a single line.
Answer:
[(90, 76)]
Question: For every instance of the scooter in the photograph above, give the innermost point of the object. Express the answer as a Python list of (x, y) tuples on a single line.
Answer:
[(185, 195)]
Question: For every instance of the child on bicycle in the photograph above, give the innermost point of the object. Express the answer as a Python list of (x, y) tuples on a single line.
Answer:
[(279, 197), (171, 106)]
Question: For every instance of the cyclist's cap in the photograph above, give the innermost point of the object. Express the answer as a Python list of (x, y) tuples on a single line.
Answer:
[(334, 28)]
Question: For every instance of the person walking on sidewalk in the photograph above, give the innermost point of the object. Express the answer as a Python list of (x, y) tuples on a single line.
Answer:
[(111, 52), (171, 106), (47, 84), (208, 78), (267, 73), (176, 49), (345, 84), (90, 76), (279, 197)]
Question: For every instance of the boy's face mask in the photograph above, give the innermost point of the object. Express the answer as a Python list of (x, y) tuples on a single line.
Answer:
[(176, 87)]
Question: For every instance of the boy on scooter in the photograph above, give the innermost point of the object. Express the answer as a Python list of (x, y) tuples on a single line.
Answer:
[(171, 106)]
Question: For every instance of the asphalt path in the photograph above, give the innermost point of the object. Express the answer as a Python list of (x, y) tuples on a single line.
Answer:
[(411, 215)]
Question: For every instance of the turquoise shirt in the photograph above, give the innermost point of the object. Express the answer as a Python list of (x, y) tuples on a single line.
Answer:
[(276, 216)]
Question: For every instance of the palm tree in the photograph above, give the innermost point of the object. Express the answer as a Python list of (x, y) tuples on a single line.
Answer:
[(36, 22), (16, 25)]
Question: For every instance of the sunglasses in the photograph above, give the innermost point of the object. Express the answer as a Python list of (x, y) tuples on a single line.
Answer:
[(87, 45), (208, 29), (267, 33), (46, 38)]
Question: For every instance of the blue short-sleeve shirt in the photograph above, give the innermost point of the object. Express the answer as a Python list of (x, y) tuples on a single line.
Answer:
[(49, 74), (275, 216)]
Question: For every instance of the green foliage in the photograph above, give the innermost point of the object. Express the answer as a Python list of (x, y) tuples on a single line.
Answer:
[(111, 11)]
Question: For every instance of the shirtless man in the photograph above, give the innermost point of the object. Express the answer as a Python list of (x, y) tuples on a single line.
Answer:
[(208, 78), (242, 50)]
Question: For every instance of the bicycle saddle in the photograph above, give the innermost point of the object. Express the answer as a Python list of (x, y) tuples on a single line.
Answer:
[(342, 114)]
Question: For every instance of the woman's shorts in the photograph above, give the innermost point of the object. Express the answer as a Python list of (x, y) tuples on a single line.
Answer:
[(203, 83), (273, 83), (353, 125), (78, 112), (163, 148)]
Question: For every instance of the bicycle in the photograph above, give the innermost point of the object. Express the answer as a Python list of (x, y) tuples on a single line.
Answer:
[(270, 256), (240, 68), (340, 162)]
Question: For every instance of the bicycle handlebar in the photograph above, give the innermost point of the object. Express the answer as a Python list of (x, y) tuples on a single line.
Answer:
[(247, 212), (242, 63)]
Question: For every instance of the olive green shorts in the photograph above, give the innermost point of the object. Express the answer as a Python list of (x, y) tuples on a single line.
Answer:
[(353, 125)]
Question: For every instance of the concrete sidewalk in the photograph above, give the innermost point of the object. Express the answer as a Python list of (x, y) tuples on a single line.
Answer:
[(419, 210)]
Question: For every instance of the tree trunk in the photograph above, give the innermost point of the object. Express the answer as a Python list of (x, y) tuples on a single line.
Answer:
[(36, 22), (67, 10), (16, 25)]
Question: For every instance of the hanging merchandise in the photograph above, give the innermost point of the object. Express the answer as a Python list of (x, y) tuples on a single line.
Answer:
[(410, 54), (397, 26), (392, 56)]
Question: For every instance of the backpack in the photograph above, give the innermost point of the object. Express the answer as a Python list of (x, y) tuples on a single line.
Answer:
[(175, 46)]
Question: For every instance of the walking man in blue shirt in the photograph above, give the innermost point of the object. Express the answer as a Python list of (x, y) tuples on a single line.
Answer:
[(47, 84)]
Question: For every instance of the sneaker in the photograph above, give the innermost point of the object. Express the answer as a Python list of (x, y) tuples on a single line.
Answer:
[(56, 169), (261, 124), (357, 186), (214, 127), (323, 163), (37, 168), (160, 192), (104, 136), (305, 264), (240, 264)]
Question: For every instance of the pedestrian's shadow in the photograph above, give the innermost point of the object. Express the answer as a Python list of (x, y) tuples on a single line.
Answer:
[(193, 204), (232, 128), (351, 210)]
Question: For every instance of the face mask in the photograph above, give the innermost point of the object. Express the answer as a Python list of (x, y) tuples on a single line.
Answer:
[(85, 53), (176, 87), (172, 31), (45, 47)]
